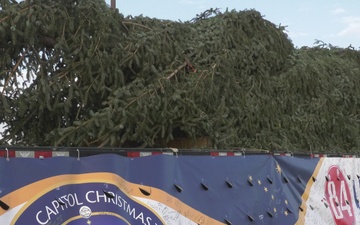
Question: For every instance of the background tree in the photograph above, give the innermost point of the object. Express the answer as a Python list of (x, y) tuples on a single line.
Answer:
[(77, 73)]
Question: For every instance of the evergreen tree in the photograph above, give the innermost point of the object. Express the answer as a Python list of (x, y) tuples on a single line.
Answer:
[(77, 73)]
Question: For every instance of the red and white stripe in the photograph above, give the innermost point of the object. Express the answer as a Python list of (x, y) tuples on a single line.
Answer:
[(226, 153), (312, 155), (349, 156), (141, 154), (282, 154), (132, 154), (32, 154)]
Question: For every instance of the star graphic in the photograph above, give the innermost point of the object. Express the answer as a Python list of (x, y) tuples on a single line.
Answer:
[(259, 182), (278, 168), (265, 189), (272, 197), (275, 210), (88, 222), (286, 213), (286, 202), (250, 178)]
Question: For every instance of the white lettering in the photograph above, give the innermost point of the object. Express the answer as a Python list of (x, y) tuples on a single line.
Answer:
[(140, 216), (119, 201), (98, 196), (334, 201), (63, 199), (39, 221), (77, 200), (339, 205), (344, 199), (49, 211), (87, 196), (130, 211), (71, 200), (148, 220), (56, 205), (125, 202)]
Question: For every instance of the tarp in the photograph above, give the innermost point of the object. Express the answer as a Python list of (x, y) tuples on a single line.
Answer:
[(164, 189)]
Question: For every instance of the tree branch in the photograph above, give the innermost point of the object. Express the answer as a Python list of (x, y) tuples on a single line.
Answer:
[(136, 24), (177, 70), (12, 73)]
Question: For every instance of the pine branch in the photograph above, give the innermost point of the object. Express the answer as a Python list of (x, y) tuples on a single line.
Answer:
[(12, 73), (136, 24), (177, 70), (21, 11)]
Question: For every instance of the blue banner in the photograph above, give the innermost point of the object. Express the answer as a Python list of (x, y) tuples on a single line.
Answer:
[(163, 189)]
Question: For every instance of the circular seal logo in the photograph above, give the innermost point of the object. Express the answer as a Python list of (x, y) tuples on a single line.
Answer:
[(85, 212)]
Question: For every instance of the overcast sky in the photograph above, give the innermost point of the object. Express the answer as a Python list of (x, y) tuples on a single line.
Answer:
[(334, 22)]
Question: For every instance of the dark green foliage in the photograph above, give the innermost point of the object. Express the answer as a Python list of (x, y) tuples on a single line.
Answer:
[(95, 78)]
